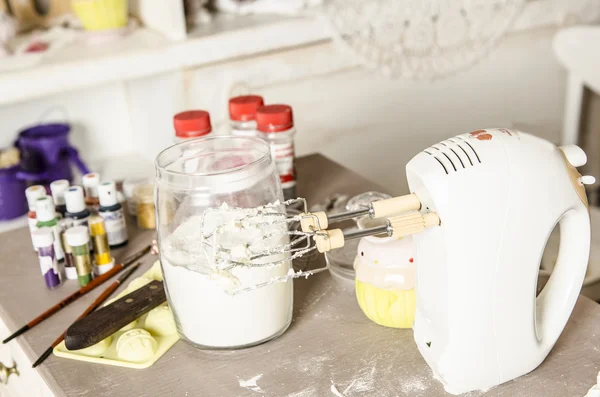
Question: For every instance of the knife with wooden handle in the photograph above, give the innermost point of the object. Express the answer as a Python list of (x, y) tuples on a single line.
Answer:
[(104, 322)]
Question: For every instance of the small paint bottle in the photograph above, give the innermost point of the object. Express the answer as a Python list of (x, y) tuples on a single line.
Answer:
[(70, 271), (102, 257), (78, 238), (46, 218), (58, 189), (33, 193), (43, 239), (91, 182), (112, 212), (76, 209)]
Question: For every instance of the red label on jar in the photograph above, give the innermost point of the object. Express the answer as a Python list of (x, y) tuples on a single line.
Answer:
[(283, 153)]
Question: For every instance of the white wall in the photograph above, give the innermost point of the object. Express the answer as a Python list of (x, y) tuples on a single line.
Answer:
[(355, 116), (99, 119), (375, 126)]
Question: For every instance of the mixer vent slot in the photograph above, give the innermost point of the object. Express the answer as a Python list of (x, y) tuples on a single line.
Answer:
[(465, 152), (450, 160), (454, 154), (471, 147), (438, 160)]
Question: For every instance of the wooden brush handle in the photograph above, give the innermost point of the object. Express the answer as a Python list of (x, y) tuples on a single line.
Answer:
[(75, 295), (101, 324)]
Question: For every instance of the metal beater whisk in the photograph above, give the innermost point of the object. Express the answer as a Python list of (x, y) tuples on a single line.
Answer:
[(263, 236)]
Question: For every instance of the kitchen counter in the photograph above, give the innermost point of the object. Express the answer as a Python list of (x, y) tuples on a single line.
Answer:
[(331, 348)]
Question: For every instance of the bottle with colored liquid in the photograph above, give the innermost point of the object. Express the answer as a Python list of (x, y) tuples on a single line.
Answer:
[(102, 257), (70, 271), (43, 239), (58, 189), (46, 218), (112, 213), (91, 182), (75, 206), (78, 238), (76, 209), (33, 193)]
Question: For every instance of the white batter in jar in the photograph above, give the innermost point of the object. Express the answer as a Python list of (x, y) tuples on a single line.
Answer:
[(201, 294)]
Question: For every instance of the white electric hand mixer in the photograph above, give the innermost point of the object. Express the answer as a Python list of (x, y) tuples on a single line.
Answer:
[(482, 208)]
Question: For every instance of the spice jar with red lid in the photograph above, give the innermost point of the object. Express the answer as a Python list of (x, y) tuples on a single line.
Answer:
[(242, 113), (275, 124), (191, 124)]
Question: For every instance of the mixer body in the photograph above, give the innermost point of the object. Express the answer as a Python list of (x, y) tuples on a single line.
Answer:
[(499, 194)]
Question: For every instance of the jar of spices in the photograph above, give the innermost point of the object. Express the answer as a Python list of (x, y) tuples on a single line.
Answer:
[(144, 202), (191, 124), (129, 186), (242, 113), (275, 124)]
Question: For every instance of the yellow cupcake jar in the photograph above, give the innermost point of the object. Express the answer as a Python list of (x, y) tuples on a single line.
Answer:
[(385, 279)]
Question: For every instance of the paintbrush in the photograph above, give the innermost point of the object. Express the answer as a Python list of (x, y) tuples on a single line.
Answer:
[(79, 293), (96, 304)]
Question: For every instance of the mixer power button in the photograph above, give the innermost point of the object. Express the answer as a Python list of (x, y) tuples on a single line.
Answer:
[(574, 154)]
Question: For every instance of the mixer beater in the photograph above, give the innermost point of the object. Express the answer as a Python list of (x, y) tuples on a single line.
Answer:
[(267, 236)]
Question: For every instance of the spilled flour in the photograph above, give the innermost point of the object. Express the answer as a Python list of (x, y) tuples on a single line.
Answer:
[(414, 384), (310, 392), (335, 391), (363, 382), (315, 365), (380, 374), (251, 384)]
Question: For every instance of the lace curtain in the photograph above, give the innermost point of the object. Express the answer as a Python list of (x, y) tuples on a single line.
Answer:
[(421, 39)]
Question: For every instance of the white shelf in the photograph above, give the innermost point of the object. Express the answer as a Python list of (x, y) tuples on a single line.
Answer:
[(145, 53)]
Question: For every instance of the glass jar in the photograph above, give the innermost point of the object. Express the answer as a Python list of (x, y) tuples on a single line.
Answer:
[(192, 177)]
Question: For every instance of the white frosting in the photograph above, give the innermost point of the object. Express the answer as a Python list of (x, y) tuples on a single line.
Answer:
[(200, 280)]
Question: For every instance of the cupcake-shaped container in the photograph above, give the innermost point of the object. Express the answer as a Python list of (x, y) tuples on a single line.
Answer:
[(385, 278)]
